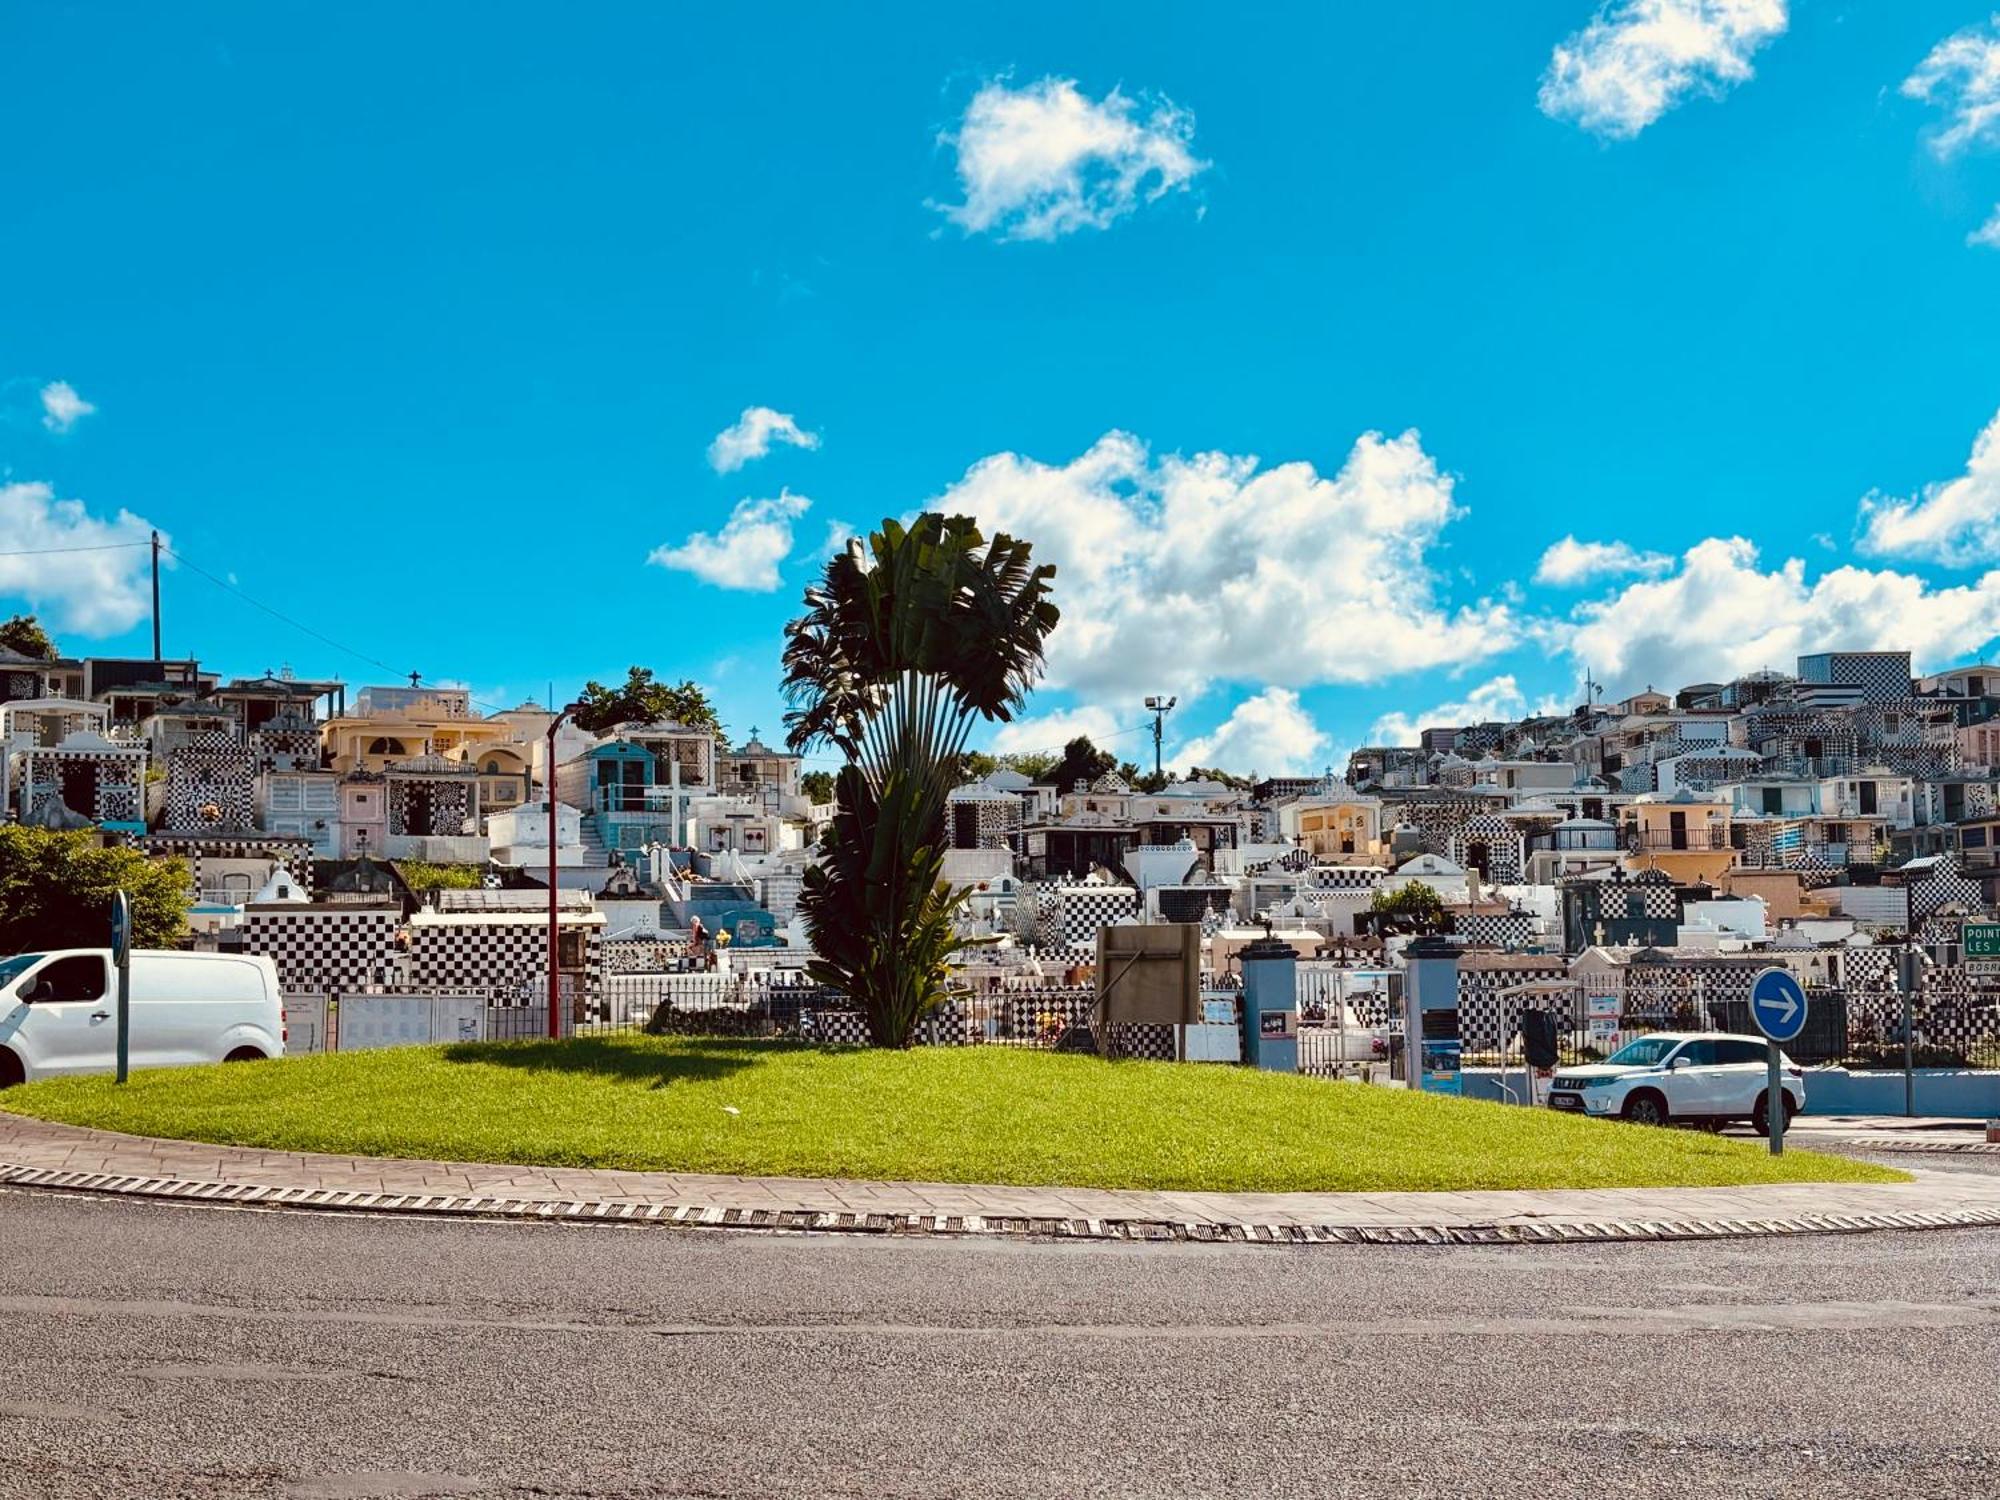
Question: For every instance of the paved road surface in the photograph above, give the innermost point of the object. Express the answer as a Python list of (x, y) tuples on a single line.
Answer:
[(160, 1350)]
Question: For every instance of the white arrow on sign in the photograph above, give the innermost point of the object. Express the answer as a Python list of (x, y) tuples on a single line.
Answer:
[(1786, 1003)]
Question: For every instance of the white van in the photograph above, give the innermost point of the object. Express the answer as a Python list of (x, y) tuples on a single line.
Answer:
[(59, 1012)]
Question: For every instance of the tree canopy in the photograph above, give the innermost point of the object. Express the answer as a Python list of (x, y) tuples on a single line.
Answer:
[(24, 634), (1082, 761), (904, 646), (644, 699), (1411, 907), (55, 892), (817, 785)]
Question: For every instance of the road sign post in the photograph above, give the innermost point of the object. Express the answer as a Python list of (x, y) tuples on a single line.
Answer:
[(1778, 1006), (1909, 980), (121, 957)]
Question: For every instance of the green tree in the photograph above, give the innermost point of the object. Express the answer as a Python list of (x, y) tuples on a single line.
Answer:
[(55, 892), (24, 635), (1082, 761), (1036, 765), (421, 876), (643, 699), (1413, 907), (1217, 774), (817, 785), (904, 647)]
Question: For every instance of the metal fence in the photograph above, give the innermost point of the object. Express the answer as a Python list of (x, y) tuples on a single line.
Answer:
[(1347, 1019)]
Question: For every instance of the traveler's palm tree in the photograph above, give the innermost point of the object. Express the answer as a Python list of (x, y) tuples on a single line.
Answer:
[(904, 647)]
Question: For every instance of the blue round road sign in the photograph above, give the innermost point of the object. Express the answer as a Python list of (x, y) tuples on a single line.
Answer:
[(1778, 1004)]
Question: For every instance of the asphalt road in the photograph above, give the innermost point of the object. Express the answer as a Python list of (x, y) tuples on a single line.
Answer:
[(156, 1350)]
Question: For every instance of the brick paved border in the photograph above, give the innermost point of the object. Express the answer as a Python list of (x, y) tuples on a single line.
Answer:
[(695, 1216)]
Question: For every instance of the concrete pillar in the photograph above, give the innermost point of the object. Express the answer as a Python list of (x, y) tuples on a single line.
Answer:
[(1271, 1005)]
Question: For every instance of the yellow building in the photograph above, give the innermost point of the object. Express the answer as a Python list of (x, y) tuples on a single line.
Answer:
[(1684, 834), (1336, 824), (397, 724)]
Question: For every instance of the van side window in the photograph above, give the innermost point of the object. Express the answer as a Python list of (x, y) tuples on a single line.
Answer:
[(78, 978)]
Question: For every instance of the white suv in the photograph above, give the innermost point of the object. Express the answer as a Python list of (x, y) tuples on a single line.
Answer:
[(1706, 1077)]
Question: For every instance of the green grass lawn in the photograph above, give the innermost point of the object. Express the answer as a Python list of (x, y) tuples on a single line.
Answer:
[(943, 1114)]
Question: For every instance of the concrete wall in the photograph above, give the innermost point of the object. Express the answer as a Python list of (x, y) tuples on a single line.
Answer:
[(1940, 1091)]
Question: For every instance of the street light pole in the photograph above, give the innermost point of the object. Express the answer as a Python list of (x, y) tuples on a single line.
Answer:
[(1160, 707)]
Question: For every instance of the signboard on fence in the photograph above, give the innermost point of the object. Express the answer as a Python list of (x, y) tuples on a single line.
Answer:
[(1982, 940)]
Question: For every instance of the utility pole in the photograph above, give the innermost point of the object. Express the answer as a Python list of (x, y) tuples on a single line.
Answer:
[(555, 914), (1159, 708), (156, 596)]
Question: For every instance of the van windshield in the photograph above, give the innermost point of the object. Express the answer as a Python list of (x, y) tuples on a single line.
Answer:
[(13, 968)]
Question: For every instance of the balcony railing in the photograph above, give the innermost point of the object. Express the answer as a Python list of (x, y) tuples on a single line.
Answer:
[(634, 798), (1676, 840)]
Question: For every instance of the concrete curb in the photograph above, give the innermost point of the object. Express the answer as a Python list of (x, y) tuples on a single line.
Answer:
[(696, 1216), (1913, 1148)]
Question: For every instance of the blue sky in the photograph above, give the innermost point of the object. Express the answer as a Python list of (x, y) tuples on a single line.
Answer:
[(1297, 338)]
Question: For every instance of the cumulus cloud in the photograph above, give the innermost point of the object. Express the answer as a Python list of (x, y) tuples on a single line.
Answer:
[(1956, 522), (1721, 614), (746, 552), (1571, 562), (751, 436), (1987, 234), (88, 574), (1637, 59), (1498, 698), (1270, 733), (1177, 572), (62, 407), (1961, 75), (1047, 733), (1039, 162)]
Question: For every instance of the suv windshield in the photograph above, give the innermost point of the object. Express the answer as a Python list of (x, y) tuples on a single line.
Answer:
[(1647, 1052), (13, 968)]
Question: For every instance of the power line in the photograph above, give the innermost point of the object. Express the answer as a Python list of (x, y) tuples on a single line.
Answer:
[(279, 614), (276, 614), (53, 551)]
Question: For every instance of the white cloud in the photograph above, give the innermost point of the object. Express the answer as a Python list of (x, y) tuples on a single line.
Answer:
[(1038, 162), (1048, 733), (62, 407), (1498, 698), (1962, 77), (1721, 615), (751, 436), (100, 591), (1570, 562), (1956, 522), (1270, 733), (1178, 572), (1637, 59), (745, 554), (1987, 234)]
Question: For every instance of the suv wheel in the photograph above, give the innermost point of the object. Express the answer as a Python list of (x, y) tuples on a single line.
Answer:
[(1646, 1107), (11, 1071), (1760, 1120), (245, 1054)]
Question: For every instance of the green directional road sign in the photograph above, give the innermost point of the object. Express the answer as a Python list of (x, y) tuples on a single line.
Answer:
[(1982, 939)]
